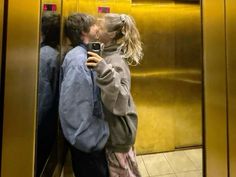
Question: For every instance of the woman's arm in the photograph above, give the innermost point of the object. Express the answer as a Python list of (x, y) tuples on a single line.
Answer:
[(114, 81)]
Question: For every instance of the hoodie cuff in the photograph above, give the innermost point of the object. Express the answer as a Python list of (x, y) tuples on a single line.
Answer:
[(102, 67)]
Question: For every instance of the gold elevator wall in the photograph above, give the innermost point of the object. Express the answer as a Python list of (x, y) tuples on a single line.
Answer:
[(1, 37), (167, 85), (230, 13)]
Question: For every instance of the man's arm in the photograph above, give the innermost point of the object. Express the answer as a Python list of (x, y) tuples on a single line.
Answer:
[(80, 127)]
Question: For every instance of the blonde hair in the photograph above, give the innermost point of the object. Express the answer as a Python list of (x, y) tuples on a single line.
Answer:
[(126, 36)]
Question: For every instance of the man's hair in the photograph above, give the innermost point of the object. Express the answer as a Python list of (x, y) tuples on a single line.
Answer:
[(50, 29), (76, 24)]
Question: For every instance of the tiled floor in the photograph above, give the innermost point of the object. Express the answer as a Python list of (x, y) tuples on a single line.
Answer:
[(185, 163)]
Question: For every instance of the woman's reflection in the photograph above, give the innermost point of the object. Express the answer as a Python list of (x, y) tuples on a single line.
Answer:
[(48, 87)]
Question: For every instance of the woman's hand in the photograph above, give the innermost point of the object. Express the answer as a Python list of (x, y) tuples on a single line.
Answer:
[(93, 59)]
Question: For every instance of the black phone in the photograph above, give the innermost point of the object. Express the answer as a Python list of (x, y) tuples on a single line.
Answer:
[(95, 47)]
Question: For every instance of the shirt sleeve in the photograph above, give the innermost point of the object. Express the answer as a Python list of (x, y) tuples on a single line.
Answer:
[(80, 126), (115, 86)]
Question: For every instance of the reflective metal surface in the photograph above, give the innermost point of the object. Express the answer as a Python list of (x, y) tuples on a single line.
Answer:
[(1, 30), (1, 76), (151, 81), (188, 57), (231, 72), (215, 88), (69, 6), (20, 89), (167, 84), (91, 6)]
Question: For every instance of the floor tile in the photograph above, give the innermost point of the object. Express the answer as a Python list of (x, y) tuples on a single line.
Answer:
[(156, 164), (196, 156), (179, 161), (186, 163), (190, 174), (142, 167), (170, 175)]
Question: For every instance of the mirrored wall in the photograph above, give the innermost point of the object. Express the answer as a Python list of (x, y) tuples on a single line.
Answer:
[(48, 88)]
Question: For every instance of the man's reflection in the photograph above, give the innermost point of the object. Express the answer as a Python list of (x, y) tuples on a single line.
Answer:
[(48, 87)]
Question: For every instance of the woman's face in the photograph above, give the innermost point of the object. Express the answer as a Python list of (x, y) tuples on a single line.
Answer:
[(103, 35), (93, 33)]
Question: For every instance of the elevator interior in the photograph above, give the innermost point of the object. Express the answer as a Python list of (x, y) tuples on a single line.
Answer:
[(166, 86), (20, 55)]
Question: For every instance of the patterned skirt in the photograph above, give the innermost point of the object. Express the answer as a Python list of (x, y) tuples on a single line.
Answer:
[(122, 164)]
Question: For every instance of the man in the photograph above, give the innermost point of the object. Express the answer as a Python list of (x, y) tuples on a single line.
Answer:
[(80, 108), (48, 90)]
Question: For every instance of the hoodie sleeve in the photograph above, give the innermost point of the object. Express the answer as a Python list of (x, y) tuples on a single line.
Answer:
[(81, 128), (114, 81)]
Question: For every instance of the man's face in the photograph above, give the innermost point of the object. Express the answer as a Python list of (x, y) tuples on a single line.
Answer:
[(93, 33)]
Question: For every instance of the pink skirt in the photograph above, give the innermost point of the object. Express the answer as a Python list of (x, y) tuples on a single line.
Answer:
[(122, 164)]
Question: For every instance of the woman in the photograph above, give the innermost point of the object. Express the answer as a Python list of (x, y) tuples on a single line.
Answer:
[(122, 47)]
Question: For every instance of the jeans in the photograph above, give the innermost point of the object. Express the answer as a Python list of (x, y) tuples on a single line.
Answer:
[(89, 164)]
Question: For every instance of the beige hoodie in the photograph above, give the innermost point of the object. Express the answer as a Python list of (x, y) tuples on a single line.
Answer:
[(113, 77)]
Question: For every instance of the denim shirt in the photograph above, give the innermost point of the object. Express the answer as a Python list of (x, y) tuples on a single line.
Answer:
[(48, 84), (80, 107)]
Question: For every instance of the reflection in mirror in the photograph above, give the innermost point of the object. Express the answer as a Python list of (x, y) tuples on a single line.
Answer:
[(48, 87)]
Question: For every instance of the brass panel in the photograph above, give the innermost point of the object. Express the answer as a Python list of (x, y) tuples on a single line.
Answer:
[(91, 6), (69, 6), (1, 70), (215, 88), (187, 106), (1, 31), (152, 81), (167, 84), (231, 65), (20, 89)]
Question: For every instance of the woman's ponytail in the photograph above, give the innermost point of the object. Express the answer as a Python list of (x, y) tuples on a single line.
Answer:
[(127, 36)]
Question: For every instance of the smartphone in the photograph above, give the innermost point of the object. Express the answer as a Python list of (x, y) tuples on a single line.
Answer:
[(95, 47)]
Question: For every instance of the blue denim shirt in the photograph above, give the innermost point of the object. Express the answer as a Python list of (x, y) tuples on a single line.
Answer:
[(80, 107)]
